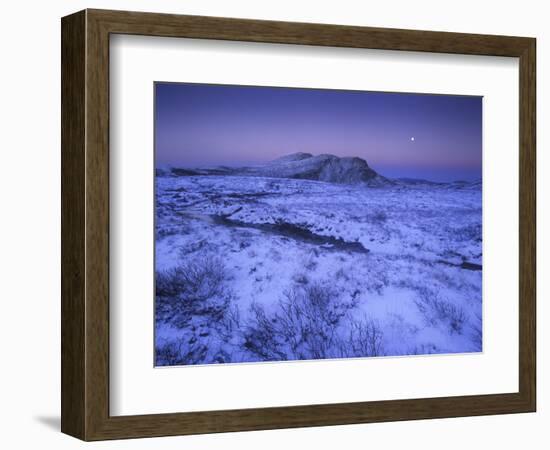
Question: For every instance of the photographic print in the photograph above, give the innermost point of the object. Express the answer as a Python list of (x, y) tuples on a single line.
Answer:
[(305, 224)]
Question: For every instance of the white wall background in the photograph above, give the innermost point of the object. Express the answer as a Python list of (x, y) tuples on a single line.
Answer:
[(30, 221)]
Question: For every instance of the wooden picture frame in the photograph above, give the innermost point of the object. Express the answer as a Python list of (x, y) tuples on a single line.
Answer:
[(85, 224)]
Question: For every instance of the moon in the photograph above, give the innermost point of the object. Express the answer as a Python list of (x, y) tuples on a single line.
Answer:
[(412, 138)]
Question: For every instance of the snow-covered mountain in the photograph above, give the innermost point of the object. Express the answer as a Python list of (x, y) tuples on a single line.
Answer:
[(329, 168), (305, 166)]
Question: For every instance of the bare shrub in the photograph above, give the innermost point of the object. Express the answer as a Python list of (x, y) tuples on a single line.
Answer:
[(379, 281), (471, 232), (477, 333), (171, 230), (437, 310), (377, 217), (195, 288), (447, 278), (179, 352), (308, 320), (423, 349), (304, 325), (231, 322), (261, 336), (300, 278), (365, 339), (201, 245)]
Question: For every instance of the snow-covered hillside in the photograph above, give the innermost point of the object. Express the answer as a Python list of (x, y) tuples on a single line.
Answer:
[(256, 268)]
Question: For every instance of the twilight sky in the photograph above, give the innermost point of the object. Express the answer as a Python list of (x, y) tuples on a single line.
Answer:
[(436, 137)]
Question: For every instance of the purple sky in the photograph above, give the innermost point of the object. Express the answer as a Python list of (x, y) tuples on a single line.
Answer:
[(436, 137)]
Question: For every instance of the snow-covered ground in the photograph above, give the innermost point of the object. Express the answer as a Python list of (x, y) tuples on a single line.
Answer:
[(257, 268)]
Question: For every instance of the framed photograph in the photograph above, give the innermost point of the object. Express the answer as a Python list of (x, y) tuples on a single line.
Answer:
[(273, 225)]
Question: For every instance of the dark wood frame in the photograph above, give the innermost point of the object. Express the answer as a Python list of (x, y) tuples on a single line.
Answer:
[(85, 224)]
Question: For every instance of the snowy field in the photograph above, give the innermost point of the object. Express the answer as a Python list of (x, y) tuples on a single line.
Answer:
[(255, 269)]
